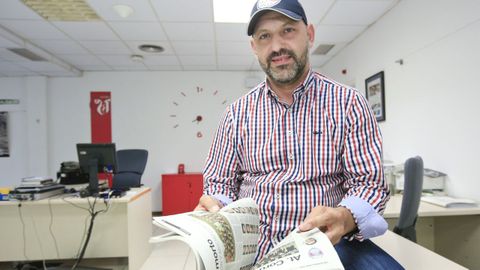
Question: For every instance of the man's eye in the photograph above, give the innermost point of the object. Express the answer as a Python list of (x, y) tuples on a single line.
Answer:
[(289, 30), (263, 36)]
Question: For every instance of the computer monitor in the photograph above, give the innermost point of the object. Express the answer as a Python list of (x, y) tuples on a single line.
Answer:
[(96, 158)]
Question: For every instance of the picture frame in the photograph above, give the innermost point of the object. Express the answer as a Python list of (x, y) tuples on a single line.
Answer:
[(4, 148), (375, 94)]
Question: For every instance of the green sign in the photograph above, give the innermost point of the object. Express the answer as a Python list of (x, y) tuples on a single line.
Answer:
[(9, 101)]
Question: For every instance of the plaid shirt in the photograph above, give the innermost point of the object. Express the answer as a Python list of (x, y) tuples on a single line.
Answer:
[(324, 149)]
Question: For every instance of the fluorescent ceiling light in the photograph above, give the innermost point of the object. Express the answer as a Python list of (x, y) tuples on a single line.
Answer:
[(232, 11), (123, 11)]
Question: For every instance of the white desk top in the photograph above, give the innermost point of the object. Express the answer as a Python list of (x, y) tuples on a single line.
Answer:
[(175, 255), (427, 209), (411, 255)]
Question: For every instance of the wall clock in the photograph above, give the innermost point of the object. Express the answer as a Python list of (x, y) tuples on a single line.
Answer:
[(193, 108)]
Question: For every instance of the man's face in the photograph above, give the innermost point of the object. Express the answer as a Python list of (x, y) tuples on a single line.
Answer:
[(282, 46)]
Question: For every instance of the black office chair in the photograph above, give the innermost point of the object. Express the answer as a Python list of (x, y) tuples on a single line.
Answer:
[(412, 191), (131, 164)]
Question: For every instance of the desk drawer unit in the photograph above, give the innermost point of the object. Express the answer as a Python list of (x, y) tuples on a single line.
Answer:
[(181, 192)]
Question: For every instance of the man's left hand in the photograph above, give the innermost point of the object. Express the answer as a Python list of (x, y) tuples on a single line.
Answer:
[(334, 222)]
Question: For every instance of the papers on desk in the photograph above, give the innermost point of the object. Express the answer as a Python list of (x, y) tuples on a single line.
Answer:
[(450, 202)]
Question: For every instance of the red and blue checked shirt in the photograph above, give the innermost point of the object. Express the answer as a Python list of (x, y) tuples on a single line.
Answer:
[(324, 149)]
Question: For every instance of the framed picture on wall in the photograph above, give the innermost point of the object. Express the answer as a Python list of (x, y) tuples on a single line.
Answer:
[(375, 93), (4, 150)]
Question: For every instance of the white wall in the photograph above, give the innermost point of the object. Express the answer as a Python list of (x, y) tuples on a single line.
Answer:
[(142, 105), (432, 100)]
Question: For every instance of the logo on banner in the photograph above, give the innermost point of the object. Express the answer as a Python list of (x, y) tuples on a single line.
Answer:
[(103, 105)]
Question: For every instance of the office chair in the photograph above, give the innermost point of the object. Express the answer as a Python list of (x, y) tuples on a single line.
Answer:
[(412, 191), (130, 167)]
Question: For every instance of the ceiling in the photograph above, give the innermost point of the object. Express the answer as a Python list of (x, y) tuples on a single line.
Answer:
[(184, 28)]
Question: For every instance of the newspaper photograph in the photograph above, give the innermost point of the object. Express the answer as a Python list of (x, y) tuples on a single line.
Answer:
[(228, 240)]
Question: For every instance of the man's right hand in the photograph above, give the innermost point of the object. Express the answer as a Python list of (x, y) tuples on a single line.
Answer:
[(208, 203)]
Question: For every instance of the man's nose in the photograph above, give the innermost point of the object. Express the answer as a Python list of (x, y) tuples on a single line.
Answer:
[(278, 43)]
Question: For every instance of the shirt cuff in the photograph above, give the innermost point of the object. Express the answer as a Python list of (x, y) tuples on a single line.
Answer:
[(369, 222), (224, 200)]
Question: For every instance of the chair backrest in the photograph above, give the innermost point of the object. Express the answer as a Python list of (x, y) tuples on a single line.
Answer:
[(412, 192), (131, 164)]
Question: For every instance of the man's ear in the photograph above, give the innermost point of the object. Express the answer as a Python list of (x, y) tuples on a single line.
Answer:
[(310, 35), (252, 45)]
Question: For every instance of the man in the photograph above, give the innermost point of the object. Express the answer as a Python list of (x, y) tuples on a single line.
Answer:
[(306, 148)]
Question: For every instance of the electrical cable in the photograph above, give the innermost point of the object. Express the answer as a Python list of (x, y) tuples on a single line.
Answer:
[(23, 231), (93, 215), (50, 227), (39, 242)]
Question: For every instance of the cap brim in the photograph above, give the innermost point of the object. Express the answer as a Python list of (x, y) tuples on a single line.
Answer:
[(254, 18)]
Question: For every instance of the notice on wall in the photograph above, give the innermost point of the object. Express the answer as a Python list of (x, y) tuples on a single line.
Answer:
[(4, 149), (101, 117)]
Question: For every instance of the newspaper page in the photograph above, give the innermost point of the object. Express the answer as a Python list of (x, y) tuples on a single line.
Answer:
[(302, 250), (223, 240)]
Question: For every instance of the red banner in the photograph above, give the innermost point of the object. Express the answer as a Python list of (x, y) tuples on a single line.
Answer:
[(101, 117)]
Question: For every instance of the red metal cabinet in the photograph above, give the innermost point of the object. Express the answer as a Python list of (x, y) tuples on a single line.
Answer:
[(181, 192)]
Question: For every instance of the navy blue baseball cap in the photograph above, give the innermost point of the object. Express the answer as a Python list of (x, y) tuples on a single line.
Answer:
[(290, 8)]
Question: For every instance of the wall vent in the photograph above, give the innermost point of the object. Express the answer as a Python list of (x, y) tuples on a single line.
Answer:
[(323, 49)]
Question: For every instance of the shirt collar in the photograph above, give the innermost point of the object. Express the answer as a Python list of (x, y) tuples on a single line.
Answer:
[(297, 92)]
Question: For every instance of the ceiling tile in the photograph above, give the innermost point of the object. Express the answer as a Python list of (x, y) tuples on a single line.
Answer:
[(194, 47), (197, 60), (33, 29), (234, 68), (231, 32), (135, 44), (94, 67), (183, 10), (232, 60), (336, 33), (234, 48), (199, 67), (6, 43), (106, 47), (119, 60), (316, 10), (60, 46), (87, 30), (81, 59), (142, 10), (15, 9), (165, 68), (139, 30), (354, 12), (185, 31), (161, 60), (136, 66)]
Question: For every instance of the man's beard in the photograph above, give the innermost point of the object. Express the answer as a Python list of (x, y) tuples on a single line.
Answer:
[(284, 74)]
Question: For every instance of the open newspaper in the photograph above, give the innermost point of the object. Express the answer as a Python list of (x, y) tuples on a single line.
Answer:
[(228, 240)]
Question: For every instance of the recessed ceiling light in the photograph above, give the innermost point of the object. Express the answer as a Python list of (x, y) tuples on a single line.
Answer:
[(123, 11), (230, 11), (136, 58), (151, 48)]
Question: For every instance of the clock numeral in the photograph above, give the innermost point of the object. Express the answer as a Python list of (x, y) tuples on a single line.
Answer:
[(173, 115), (175, 103), (225, 101), (199, 89), (183, 94), (176, 126), (215, 93)]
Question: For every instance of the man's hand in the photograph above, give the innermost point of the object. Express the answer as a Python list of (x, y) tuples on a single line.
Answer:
[(334, 222), (208, 203)]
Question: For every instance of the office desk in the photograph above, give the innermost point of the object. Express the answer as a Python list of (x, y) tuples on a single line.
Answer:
[(54, 228), (451, 232), (176, 255)]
